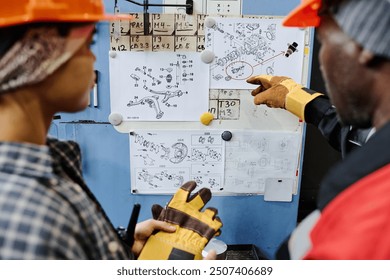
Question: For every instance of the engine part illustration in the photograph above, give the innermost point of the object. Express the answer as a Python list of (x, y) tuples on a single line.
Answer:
[(180, 152), (291, 49), (239, 70), (157, 179), (152, 101), (244, 47), (147, 160), (271, 32), (167, 94), (206, 154), (166, 159), (166, 152), (164, 89)]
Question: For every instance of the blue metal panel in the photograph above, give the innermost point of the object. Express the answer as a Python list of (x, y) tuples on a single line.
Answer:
[(247, 219), (268, 7)]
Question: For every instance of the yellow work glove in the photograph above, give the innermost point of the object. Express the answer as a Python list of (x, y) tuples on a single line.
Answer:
[(282, 92), (194, 228)]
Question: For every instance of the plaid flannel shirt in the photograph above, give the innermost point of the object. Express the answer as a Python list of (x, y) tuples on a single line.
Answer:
[(46, 209)]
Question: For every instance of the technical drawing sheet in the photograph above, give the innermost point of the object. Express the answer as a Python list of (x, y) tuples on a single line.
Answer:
[(255, 160), (159, 86), (244, 47), (162, 160)]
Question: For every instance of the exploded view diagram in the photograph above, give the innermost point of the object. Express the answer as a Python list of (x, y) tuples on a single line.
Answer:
[(161, 161), (244, 47), (158, 86)]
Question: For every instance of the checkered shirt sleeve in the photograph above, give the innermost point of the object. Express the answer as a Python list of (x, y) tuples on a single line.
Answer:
[(46, 209)]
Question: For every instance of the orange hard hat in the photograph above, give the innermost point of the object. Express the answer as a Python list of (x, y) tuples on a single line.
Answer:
[(305, 15), (28, 11)]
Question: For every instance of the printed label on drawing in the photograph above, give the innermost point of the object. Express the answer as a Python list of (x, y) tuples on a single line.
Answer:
[(161, 161), (244, 47), (151, 86)]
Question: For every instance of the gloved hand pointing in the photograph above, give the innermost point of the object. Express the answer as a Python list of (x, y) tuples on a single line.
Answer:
[(282, 92), (194, 228)]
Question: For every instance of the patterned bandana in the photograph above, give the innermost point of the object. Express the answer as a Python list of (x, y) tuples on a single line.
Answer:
[(40, 52)]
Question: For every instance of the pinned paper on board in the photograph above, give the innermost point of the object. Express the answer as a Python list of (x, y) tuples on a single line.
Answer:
[(151, 86), (247, 162), (256, 158), (244, 47), (163, 81), (163, 160)]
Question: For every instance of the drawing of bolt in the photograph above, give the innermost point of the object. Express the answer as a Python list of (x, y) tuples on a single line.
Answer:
[(291, 49)]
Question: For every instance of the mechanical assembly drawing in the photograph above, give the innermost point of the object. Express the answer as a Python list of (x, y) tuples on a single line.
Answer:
[(244, 47), (161, 161), (259, 156), (180, 76), (167, 89)]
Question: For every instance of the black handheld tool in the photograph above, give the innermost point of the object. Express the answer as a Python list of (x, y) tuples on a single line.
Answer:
[(129, 237), (95, 90)]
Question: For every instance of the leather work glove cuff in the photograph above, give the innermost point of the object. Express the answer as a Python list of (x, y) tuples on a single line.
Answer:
[(298, 98)]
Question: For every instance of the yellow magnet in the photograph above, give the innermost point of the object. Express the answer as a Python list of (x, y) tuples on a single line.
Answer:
[(206, 118)]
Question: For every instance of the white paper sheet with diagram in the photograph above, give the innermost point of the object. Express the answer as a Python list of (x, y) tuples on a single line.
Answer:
[(244, 47), (158, 86), (144, 90), (262, 162), (162, 160), (255, 162)]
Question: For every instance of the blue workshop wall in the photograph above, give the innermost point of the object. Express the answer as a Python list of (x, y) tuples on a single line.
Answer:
[(247, 219)]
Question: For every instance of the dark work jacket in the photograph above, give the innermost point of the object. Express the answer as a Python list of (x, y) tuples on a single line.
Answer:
[(344, 139)]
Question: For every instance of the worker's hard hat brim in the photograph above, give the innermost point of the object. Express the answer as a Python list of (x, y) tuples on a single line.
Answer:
[(305, 15), (25, 19)]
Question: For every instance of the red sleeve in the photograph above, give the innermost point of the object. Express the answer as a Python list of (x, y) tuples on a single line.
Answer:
[(356, 224)]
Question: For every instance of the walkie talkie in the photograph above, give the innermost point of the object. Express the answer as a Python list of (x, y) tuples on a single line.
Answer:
[(128, 234)]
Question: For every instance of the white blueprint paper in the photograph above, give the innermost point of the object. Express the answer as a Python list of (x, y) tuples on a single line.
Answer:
[(161, 161), (158, 86), (256, 160), (244, 47)]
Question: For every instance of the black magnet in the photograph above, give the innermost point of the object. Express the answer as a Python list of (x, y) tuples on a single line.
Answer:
[(226, 135)]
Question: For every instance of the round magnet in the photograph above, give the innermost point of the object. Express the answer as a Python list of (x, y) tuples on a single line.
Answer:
[(112, 54), (226, 135), (207, 56), (206, 118), (209, 22), (115, 118)]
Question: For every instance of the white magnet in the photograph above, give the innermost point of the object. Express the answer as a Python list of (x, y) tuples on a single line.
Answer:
[(207, 56), (209, 22), (112, 54), (115, 118)]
